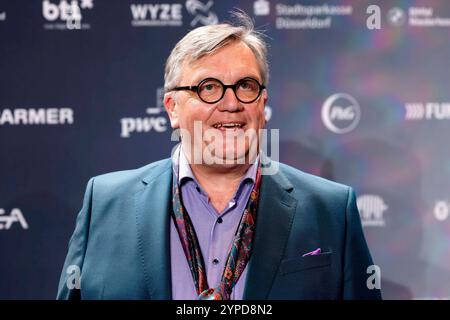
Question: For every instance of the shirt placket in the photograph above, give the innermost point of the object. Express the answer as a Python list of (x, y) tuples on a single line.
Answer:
[(218, 252)]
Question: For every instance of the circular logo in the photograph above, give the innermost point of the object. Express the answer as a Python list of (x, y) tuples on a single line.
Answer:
[(441, 210), (396, 17), (341, 113)]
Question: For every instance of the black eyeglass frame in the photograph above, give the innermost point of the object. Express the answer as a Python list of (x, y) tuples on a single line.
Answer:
[(224, 86)]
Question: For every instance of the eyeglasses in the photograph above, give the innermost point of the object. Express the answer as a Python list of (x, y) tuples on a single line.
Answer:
[(211, 90)]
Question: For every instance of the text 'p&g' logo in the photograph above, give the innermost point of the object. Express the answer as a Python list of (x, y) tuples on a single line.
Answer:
[(341, 113)]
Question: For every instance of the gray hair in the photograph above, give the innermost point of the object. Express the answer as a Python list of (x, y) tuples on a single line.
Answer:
[(208, 39)]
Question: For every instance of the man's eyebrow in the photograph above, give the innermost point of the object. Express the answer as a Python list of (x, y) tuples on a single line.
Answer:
[(197, 80)]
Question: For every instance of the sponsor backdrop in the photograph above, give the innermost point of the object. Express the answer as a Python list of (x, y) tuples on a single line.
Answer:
[(359, 91)]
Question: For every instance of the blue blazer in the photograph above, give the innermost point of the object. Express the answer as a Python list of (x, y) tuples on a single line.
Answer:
[(121, 240)]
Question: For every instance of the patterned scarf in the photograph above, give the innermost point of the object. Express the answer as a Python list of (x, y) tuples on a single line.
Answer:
[(238, 255)]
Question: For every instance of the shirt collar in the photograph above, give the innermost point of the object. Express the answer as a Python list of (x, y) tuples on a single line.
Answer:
[(181, 165)]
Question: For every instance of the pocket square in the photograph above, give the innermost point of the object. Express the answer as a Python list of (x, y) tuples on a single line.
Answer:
[(313, 253)]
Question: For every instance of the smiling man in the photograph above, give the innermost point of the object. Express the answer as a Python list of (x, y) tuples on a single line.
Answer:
[(212, 222)]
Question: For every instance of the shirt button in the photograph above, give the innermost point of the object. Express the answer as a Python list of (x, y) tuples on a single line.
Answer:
[(215, 261), (219, 220)]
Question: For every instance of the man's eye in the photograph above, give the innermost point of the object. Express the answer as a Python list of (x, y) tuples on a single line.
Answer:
[(247, 85), (209, 87)]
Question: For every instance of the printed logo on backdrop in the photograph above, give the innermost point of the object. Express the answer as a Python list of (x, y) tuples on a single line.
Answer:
[(396, 17), (441, 210), (155, 121), (171, 14), (202, 13), (261, 8), (298, 16), (425, 17), (427, 111), (341, 113), (371, 209), (267, 113), (156, 14), (2, 16), (15, 216), (422, 16), (66, 14), (36, 116)]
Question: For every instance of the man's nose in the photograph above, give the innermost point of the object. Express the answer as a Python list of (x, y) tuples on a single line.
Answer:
[(229, 102)]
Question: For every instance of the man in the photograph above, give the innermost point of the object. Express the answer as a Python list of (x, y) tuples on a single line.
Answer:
[(198, 226)]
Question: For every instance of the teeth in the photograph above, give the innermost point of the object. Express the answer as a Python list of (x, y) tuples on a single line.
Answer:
[(227, 125)]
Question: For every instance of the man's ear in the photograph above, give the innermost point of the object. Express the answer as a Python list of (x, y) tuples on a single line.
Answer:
[(171, 107), (265, 96)]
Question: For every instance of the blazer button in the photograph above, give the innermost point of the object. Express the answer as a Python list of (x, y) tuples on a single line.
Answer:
[(219, 220), (215, 261)]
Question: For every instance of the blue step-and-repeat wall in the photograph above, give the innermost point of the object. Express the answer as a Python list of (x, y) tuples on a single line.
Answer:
[(360, 91)]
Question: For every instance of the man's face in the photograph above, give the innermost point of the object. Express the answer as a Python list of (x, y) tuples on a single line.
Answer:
[(228, 64)]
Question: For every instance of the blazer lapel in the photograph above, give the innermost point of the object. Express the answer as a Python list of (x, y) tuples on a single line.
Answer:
[(153, 218), (276, 210)]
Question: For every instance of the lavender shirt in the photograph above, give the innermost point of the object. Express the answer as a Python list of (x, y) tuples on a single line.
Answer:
[(215, 231)]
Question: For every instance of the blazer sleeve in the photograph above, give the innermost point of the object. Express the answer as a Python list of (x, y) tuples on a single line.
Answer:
[(357, 256), (73, 265)]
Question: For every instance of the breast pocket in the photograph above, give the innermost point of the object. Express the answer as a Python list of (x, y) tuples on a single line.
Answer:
[(304, 263)]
